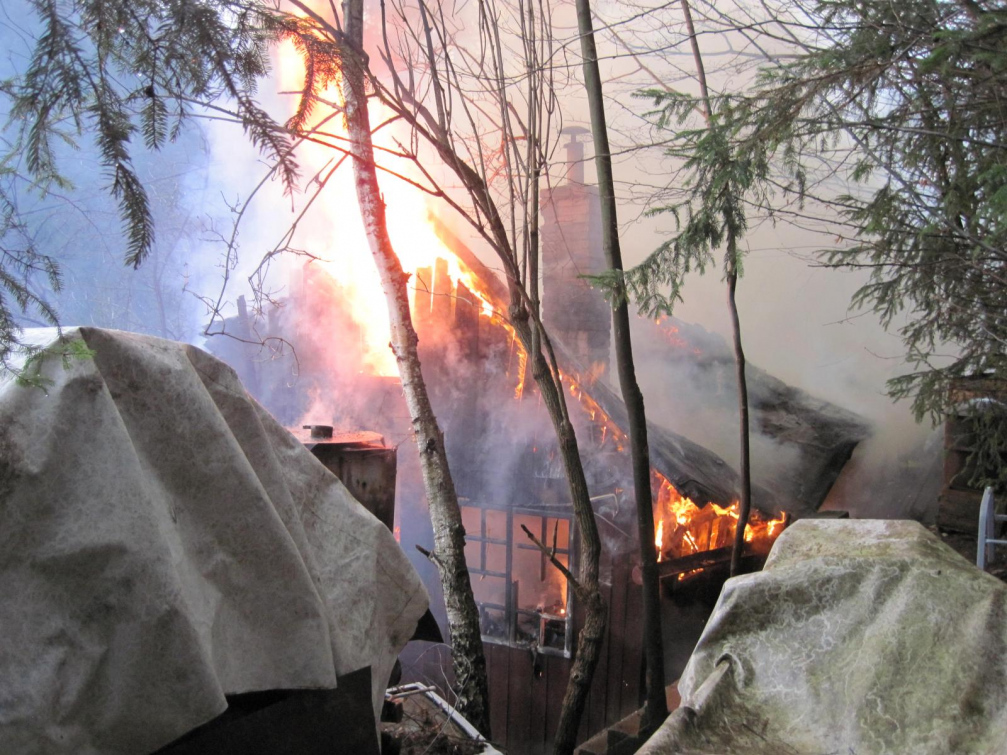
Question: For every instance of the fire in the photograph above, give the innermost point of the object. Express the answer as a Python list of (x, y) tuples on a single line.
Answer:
[(522, 364), (334, 232), (670, 332), (681, 526), (608, 428), (693, 529)]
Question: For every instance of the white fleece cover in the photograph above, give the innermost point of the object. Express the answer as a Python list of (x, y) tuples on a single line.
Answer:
[(163, 541), (860, 637)]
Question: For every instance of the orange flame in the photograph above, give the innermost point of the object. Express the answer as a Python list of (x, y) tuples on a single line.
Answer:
[(669, 332), (522, 365), (334, 231), (691, 529), (594, 411), (695, 529)]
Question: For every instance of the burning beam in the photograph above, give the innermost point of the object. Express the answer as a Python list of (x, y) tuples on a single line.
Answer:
[(682, 527), (693, 529)]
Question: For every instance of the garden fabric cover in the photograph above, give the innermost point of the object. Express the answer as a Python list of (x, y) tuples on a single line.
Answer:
[(164, 542), (860, 636)]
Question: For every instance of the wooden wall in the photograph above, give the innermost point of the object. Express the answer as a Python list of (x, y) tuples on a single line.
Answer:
[(526, 693)]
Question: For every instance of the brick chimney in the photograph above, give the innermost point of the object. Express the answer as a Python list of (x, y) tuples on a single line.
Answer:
[(574, 312)]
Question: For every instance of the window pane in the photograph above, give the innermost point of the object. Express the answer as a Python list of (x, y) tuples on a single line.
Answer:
[(534, 523), (535, 593), (494, 624), (526, 570), (473, 555), (489, 589), (471, 520), (496, 557), (496, 524), (561, 527), (554, 633), (527, 628), (554, 593)]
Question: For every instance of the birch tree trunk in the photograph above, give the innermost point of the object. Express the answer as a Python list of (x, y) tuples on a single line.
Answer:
[(435, 128), (469, 662), (656, 707)]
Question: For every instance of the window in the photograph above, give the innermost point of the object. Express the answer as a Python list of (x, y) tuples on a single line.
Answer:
[(523, 599)]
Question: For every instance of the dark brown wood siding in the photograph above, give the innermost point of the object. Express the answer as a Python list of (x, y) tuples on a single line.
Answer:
[(526, 691)]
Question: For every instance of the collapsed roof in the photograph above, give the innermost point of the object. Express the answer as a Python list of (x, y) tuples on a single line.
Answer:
[(800, 443), (817, 437), (694, 471)]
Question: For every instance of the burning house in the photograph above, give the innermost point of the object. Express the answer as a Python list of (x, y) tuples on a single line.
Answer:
[(506, 464)]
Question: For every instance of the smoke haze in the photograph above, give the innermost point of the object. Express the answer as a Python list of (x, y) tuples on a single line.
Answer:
[(795, 319)]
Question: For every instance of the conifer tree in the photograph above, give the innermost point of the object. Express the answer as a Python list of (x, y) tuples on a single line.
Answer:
[(116, 72), (901, 105)]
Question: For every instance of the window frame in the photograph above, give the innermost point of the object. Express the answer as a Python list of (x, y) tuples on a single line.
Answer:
[(510, 610)]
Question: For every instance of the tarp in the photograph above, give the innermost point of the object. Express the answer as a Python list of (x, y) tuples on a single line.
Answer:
[(860, 636), (164, 542)]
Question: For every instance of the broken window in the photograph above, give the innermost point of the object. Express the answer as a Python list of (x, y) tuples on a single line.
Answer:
[(523, 599)]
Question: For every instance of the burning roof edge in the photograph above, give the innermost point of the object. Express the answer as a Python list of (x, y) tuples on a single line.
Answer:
[(695, 471)]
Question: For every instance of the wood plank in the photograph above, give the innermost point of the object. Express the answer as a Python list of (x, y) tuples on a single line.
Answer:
[(701, 560), (958, 510), (443, 303), (595, 718), (617, 637), (495, 291), (632, 665), (422, 299), (466, 330), (519, 681), (557, 676), (497, 671), (539, 693), (494, 343)]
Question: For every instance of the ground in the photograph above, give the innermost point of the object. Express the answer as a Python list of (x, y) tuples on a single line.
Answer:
[(425, 730)]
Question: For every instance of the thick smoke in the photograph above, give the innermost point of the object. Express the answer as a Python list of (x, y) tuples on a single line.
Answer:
[(794, 315), (797, 326)]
